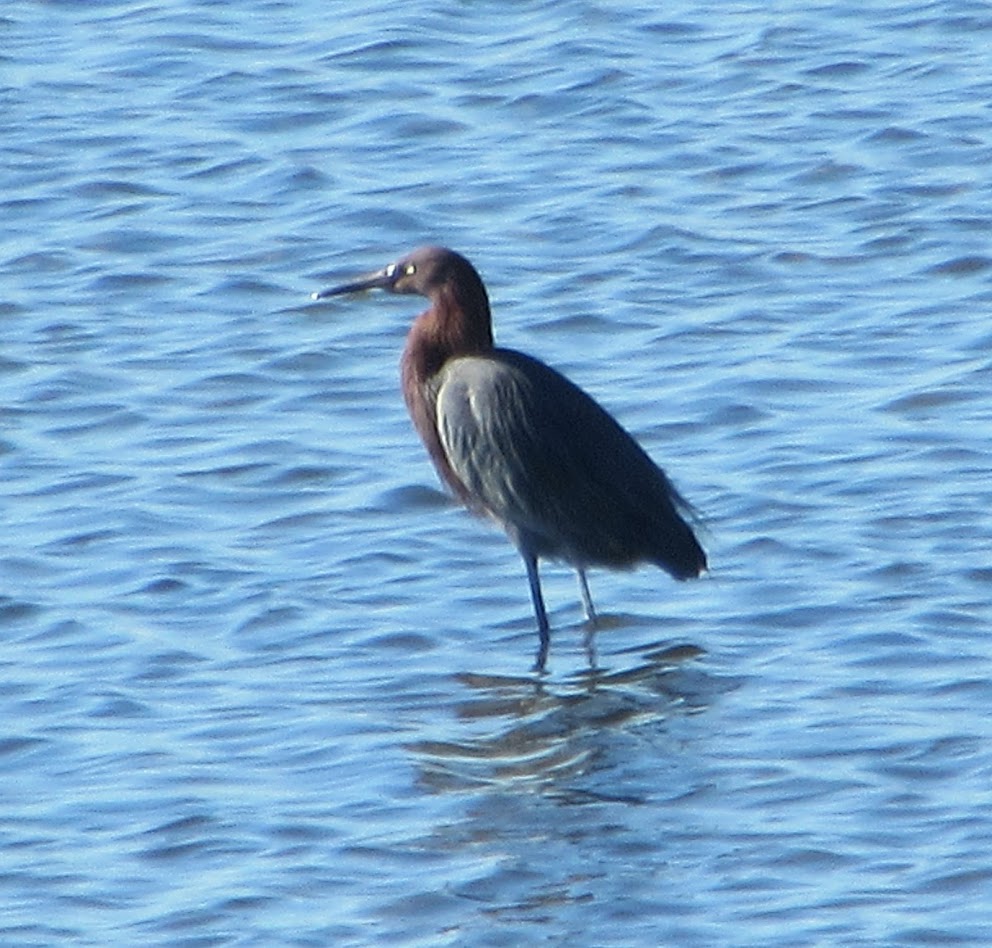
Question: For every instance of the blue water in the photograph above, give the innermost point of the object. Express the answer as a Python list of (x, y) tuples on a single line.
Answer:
[(263, 684)]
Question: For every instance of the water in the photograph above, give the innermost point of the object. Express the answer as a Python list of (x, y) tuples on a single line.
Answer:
[(263, 684)]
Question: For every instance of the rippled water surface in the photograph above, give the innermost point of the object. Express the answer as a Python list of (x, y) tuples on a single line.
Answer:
[(263, 684)]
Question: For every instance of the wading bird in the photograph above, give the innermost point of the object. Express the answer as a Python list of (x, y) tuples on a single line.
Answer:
[(518, 442)]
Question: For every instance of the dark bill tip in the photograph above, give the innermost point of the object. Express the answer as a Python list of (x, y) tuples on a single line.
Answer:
[(381, 279)]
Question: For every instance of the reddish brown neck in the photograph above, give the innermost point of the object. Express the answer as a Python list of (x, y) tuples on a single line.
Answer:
[(446, 330), (450, 327)]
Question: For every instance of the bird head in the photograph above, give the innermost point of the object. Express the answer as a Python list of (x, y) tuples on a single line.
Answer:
[(421, 272)]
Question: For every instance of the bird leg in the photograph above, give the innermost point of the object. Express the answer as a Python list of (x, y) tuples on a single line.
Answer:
[(543, 629), (588, 637), (586, 598)]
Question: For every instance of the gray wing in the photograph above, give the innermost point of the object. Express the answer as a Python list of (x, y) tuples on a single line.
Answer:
[(555, 469)]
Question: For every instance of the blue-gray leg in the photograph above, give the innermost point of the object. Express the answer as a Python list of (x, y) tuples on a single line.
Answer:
[(586, 598), (588, 635), (543, 629)]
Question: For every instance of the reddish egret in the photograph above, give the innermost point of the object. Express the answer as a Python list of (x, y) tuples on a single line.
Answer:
[(518, 442)]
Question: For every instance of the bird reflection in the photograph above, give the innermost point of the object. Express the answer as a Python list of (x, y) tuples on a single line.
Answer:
[(547, 737)]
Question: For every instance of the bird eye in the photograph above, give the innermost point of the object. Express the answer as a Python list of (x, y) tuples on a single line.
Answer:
[(410, 269)]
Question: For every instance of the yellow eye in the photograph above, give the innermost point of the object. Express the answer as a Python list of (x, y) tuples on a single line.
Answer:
[(410, 269)]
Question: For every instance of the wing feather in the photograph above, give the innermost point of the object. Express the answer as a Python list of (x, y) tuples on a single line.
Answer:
[(555, 469)]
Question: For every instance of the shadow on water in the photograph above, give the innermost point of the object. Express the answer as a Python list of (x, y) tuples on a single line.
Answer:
[(552, 738)]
